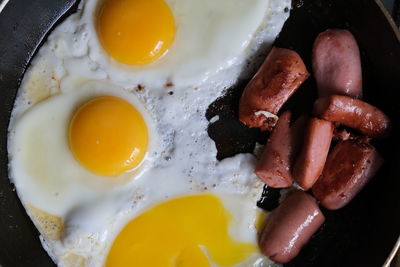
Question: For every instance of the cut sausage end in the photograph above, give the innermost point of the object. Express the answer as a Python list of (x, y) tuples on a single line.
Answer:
[(281, 74), (311, 160), (349, 167), (275, 166)]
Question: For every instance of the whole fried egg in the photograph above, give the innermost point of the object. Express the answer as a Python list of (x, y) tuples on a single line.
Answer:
[(108, 143)]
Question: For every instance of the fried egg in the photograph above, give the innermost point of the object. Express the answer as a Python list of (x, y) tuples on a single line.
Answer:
[(108, 143), (182, 41), (98, 137)]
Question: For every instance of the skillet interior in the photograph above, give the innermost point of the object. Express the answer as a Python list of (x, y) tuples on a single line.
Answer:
[(361, 234), (364, 232)]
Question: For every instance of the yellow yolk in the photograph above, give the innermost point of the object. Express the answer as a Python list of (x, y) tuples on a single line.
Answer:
[(135, 32), (180, 233), (108, 136)]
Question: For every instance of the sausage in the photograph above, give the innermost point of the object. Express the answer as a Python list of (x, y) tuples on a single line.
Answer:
[(336, 64), (281, 74), (290, 226), (275, 165), (342, 134), (353, 113), (297, 135), (312, 157), (349, 167)]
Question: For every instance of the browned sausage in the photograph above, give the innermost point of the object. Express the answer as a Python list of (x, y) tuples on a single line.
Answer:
[(275, 166), (349, 167), (353, 113), (290, 226), (336, 64), (282, 72), (311, 160), (341, 134)]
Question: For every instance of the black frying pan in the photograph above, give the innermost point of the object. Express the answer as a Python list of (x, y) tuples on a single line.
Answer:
[(361, 234)]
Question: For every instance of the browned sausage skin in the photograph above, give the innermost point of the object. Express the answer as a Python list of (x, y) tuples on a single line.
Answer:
[(349, 166), (336, 64), (281, 74), (353, 113), (312, 157), (290, 226), (275, 165)]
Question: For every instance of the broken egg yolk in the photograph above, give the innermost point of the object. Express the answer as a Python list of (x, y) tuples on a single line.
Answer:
[(190, 231)]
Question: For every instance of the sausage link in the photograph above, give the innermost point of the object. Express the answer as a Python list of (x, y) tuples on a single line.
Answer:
[(349, 167), (275, 166), (281, 74), (353, 113), (311, 160), (336, 64), (297, 135), (290, 226)]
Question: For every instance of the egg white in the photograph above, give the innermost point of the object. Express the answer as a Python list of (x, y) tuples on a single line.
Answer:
[(210, 35), (181, 160), (40, 149)]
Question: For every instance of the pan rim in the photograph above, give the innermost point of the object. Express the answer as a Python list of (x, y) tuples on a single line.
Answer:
[(3, 5), (396, 31)]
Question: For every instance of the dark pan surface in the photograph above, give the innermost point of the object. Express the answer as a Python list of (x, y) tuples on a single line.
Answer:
[(361, 234), (23, 25), (364, 232)]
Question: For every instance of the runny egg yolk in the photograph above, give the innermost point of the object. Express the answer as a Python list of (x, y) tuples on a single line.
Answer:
[(108, 136), (135, 32), (180, 233)]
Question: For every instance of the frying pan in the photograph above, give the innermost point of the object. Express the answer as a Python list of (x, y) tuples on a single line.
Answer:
[(361, 234)]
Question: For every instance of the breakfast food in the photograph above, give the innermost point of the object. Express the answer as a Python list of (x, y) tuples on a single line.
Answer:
[(290, 226), (108, 143), (349, 167), (275, 164), (336, 176), (353, 113), (311, 160), (336, 64), (278, 78)]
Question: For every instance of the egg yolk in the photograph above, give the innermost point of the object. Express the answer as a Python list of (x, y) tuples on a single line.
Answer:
[(180, 233), (108, 136), (135, 32)]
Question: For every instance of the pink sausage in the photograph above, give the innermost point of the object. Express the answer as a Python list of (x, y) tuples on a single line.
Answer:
[(336, 64), (275, 166), (290, 226), (353, 113), (297, 135), (348, 169), (281, 74), (311, 160)]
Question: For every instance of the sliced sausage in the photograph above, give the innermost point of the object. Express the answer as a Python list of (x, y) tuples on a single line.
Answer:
[(336, 64), (353, 113), (342, 134), (281, 74), (312, 157), (349, 166), (297, 135), (275, 166), (290, 226)]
